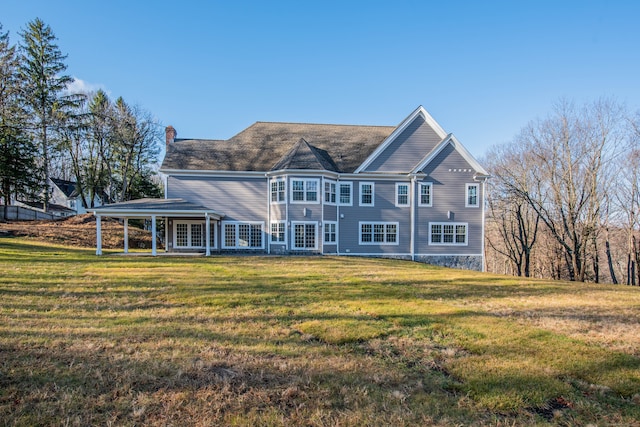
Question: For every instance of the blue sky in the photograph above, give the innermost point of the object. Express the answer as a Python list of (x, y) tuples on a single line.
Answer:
[(483, 69)]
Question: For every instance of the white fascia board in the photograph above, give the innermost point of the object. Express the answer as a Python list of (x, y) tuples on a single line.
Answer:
[(210, 173), (420, 111), (381, 176), (457, 145), (120, 213), (287, 172)]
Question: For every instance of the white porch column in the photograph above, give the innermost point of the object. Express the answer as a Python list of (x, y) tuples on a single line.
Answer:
[(98, 235), (207, 234), (126, 235), (153, 236)]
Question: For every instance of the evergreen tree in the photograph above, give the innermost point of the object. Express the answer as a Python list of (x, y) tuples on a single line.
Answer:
[(41, 68), (17, 158)]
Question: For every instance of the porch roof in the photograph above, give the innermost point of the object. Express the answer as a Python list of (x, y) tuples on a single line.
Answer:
[(156, 207)]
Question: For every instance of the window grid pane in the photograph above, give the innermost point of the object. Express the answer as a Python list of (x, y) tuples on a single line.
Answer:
[(299, 236), (403, 194), (391, 233), (182, 235), (425, 194), (281, 191), (310, 236), (345, 194), (312, 191), (329, 232), (230, 235), (366, 231), (472, 195), (298, 190), (197, 237), (366, 194)]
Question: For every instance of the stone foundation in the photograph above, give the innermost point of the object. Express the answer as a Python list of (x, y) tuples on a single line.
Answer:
[(462, 262)]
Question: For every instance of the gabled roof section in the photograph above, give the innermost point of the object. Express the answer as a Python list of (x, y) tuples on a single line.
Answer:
[(453, 141), (418, 112), (67, 187), (304, 156), (263, 145)]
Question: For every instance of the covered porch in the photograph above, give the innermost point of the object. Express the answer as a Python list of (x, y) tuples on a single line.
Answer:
[(154, 209)]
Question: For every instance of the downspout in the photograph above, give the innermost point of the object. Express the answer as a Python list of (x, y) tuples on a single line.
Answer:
[(413, 217), (338, 215), (484, 266), (268, 234), (321, 230)]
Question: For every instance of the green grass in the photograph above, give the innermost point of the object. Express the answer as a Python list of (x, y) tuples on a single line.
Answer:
[(317, 341)]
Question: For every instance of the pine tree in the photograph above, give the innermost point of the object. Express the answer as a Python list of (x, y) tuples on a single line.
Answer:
[(42, 67), (17, 153)]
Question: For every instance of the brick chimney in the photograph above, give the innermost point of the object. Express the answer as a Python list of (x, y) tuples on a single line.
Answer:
[(170, 133)]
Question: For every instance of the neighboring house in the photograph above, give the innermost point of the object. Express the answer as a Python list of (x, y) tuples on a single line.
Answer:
[(65, 193), (411, 191)]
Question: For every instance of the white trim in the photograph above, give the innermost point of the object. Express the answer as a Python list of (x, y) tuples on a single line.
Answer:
[(319, 191), (212, 173), (412, 219), (408, 194), (189, 222), (373, 193), (329, 182), (454, 224), (293, 235), (451, 139), (284, 232), (277, 181), (425, 184), (420, 111), (350, 185), (374, 223), (484, 266), (466, 195), (335, 232), (237, 237)]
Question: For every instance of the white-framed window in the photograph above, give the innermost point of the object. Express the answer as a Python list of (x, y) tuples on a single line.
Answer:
[(402, 194), (367, 193), (448, 233), (378, 233), (304, 190), (426, 194), (242, 235), (192, 234), (330, 232), (278, 229), (472, 199), (305, 235), (345, 191), (278, 191), (330, 192)]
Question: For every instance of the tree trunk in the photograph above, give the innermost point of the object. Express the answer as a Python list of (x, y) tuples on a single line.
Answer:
[(612, 272)]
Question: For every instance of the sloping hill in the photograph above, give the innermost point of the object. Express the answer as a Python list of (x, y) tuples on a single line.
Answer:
[(77, 231)]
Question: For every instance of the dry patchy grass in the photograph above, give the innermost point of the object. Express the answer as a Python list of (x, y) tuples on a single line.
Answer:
[(317, 341)]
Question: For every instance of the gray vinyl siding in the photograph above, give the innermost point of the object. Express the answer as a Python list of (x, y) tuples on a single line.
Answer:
[(278, 212), (384, 210), (449, 178), (406, 151), (239, 199)]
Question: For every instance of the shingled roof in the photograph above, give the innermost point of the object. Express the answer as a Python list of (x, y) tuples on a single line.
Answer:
[(266, 146)]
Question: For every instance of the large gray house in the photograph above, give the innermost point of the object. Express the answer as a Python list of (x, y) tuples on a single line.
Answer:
[(411, 191)]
